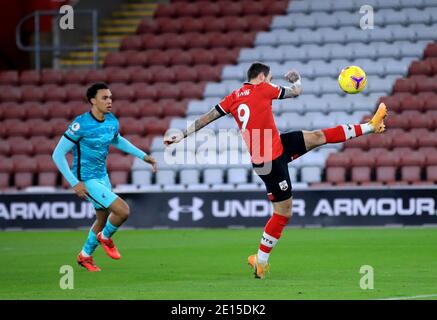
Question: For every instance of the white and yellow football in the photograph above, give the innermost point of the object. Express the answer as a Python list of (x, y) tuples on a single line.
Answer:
[(352, 79)]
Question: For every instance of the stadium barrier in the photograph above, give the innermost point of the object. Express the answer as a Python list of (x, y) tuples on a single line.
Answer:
[(334, 207)]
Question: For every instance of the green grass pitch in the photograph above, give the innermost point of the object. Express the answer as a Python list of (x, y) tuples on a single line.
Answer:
[(212, 264)]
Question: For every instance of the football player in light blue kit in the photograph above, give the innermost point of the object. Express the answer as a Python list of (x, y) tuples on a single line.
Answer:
[(89, 137)]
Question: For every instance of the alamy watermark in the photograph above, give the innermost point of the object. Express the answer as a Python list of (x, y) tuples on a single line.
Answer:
[(367, 280), (67, 280)]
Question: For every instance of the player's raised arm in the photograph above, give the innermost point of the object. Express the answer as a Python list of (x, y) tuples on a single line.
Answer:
[(295, 88), (124, 145), (198, 124)]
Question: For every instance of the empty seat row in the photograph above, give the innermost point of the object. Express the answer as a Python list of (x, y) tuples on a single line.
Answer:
[(248, 23), (307, 52), (355, 5), (399, 101), (346, 35), (416, 84), (189, 40), (135, 91), (221, 9), (426, 67)]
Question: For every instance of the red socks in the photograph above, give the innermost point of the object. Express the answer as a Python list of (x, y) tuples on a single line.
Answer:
[(342, 133), (271, 235)]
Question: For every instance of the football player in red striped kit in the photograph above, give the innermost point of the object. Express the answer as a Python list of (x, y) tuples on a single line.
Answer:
[(251, 107)]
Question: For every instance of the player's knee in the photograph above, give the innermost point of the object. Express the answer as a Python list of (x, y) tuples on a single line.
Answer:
[(125, 212)]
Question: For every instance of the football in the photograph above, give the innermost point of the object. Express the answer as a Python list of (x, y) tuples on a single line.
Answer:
[(352, 79)]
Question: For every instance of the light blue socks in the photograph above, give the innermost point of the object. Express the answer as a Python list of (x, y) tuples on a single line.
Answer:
[(108, 230), (90, 244)]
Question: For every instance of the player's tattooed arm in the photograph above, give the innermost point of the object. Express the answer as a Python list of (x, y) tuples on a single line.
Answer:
[(295, 88), (198, 124)]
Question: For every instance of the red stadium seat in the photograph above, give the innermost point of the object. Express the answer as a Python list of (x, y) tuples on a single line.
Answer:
[(96, 76), (361, 174), (360, 142), (397, 121), (425, 84), (75, 92), (431, 158), (125, 108), (174, 41), (122, 91), (51, 76), (191, 25), (185, 73), (226, 56), (214, 25), (387, 159), (363, 159), (59, 110), (118, 75), (43, 145), (196, 40), (32, 93), (237, 24), (165, 10), (239, 40), (431, 173), (13, 110), (276, 7), (24, 167), (147, 25), (219, 40), (411, 174), (186, 10), (404, 85), (208, 73), (53, 92), (5, 148), (158, 127), (255, 8), (10, 93), (190, 90), (6, 170), (115, 59), (162, 74), (144, 91), (153, 42), (47, 170), (259, 23), (139, 74), (405, 140), (207, 9), (202, 56), (20, 145), (433, 63), (132, 43), (15, 127), (392, 101), (231, 9), (386, 174), (59, 126), (31, 77), (39, 127), (338, 160), (420, 67), (180, 57), (78, 108), (148, 108), (75, 76), (379, 141), (158, 57), (336, 174), (167, 25), (421, 121), (411, 102), (165, 90), (135, 58), (171, 108), (119, 168), (130, 125), (9, 77), (431, 50), (412, 159)]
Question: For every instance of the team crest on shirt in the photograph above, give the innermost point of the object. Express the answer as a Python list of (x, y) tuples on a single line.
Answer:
[(75, 126), (283, 185)]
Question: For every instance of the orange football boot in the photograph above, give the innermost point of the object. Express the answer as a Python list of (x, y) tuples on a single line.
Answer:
[(260, 269), (87, 263), (109, 246)]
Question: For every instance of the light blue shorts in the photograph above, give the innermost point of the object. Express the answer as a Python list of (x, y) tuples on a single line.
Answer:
[(100, 192)]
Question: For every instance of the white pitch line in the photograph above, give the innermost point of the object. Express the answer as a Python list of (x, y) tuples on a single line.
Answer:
[(412, 297)]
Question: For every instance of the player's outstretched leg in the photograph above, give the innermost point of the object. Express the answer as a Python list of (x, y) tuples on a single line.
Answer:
[(85, 257), (119, 214), (272, 233), (345, 132)]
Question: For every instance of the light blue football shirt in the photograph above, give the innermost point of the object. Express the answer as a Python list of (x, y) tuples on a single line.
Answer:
[(92, 139)]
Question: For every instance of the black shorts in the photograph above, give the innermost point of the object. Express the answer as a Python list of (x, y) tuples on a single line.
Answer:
[(275, 174)]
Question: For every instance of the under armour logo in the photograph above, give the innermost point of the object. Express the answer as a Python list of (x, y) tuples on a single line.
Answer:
[(177, 209)]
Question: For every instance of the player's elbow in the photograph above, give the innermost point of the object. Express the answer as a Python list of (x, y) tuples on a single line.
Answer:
[(298, 90)]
